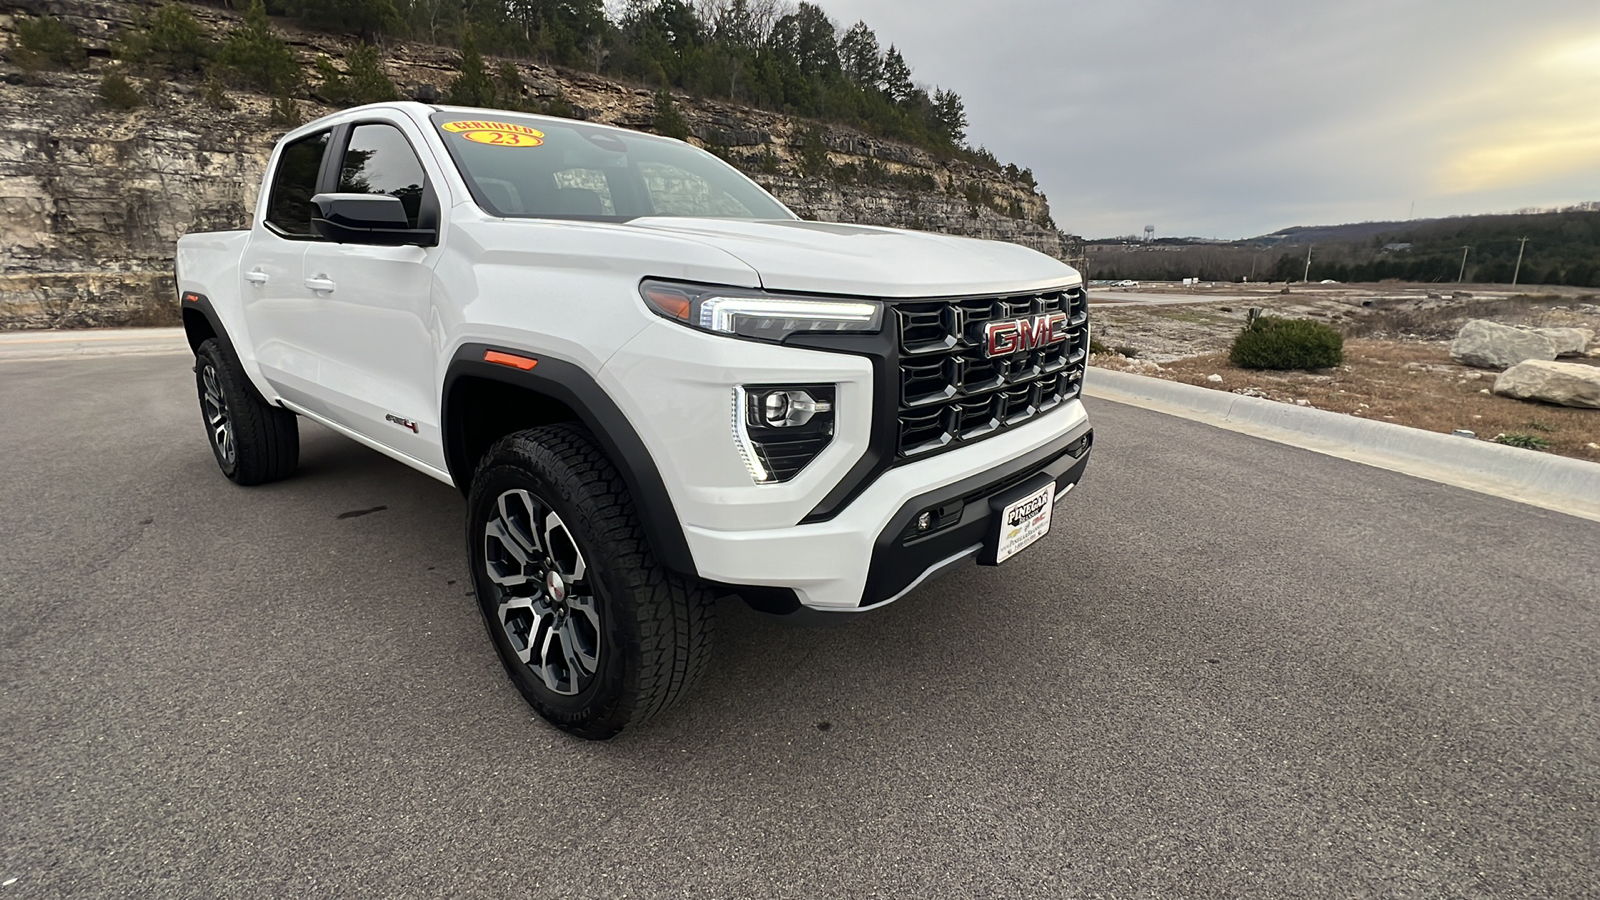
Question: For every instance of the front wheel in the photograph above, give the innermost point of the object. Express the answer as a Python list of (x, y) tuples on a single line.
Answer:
[(594, 632)]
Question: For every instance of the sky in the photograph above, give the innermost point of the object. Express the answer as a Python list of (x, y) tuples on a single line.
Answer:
[(1235, 118)]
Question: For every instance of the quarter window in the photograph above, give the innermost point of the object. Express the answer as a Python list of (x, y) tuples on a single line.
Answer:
[(380, 160), (294, 184)]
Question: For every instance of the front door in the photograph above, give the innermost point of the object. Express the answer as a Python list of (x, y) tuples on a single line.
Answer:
[(377, 335)]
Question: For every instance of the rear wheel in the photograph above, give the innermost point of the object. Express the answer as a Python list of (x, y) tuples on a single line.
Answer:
[(254, 442), (594, 632)]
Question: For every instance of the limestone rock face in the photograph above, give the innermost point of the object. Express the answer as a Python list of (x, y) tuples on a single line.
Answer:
[(93, 200), (1564, 384), (1568, 341), (1489, 345)]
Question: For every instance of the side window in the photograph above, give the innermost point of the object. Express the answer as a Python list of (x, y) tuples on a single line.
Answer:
[(677, 192), (379, 160), (294, 184)]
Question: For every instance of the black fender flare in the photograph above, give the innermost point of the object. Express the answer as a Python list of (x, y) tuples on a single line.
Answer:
[(572, 386), (193, 301)]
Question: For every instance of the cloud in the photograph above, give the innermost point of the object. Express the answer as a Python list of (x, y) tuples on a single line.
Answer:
[(1238, 117)]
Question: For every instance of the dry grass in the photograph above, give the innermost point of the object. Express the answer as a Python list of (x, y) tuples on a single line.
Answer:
[(1407, 383)]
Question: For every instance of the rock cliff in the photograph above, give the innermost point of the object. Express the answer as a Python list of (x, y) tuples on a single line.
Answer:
[(92, 199)]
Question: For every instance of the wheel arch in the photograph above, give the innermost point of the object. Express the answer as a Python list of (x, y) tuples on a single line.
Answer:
[(483, 401), (200, 322)]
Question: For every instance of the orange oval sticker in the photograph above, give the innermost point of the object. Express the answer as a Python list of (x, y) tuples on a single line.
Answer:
[(498, 134)]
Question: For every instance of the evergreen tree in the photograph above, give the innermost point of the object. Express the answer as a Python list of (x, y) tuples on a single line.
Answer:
[(257, 58), (949, 117), (45, 43), (859, 53), (361, 82), (366, 17), (806, 37), (473, 87), (172, 40), (669, 120), (897, 77)]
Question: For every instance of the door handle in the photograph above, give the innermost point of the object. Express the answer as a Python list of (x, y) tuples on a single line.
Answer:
[(256, 277), (321, 284)]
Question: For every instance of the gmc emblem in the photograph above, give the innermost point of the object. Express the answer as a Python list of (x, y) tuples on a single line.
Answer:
[(1020, 335)]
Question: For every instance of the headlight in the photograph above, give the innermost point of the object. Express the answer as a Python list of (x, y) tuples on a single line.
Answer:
[(757, 314)]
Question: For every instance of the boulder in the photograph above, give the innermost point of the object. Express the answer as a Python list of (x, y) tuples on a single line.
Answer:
[(1564, 384), (1489, 345), (1568, 341)]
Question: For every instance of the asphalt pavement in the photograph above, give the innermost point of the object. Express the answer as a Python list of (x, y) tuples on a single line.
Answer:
[(1235, 668)]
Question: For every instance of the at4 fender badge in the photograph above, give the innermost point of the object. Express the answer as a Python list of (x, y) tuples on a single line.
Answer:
[(1019, 335), (403, 423)]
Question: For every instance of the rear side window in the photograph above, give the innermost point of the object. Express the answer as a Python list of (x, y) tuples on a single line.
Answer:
[(380, 160), (293, 185)]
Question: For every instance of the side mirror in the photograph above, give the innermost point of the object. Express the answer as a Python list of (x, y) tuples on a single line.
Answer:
[(367, 219)]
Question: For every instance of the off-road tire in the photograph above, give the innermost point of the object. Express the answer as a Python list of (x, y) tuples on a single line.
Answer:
[(656, 627), (265, 438)]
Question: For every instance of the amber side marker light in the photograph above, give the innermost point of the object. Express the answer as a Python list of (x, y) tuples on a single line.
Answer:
[(191, 297), (509, 359), (671, 304)]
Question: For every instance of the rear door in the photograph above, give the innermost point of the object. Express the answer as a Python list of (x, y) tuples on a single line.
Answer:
[(374, 329), (274, 300)]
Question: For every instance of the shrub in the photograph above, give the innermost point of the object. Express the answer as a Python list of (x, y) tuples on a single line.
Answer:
[(509, 82), (172, 40), (117, 92), (1525, 441), (1097, 348), (361, 82), (1273, 343), (285, 112), (216, 95), (473, 87), (560, 106), (669, 120), (257, 58), (812, 151), (45, 43)]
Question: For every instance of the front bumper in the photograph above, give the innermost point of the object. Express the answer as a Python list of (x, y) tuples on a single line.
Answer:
[(861, 558)]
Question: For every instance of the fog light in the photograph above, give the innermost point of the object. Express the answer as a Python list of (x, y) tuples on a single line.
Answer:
[(925, 521), (781, 428), (789, 409)]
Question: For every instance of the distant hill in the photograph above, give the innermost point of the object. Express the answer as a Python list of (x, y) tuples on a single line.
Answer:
[(1563, 247)]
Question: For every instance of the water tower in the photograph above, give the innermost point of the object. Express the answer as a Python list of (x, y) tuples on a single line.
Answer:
[(1149, 233)]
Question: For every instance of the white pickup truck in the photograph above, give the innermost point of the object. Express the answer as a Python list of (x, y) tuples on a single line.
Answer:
[(653, 383)]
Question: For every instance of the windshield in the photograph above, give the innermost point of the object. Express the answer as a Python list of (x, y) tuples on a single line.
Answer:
[(523, 167)]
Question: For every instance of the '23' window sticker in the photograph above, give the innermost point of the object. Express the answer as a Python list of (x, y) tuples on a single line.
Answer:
[(498, 134)]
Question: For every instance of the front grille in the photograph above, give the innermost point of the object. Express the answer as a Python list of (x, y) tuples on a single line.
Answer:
[(950, 393)]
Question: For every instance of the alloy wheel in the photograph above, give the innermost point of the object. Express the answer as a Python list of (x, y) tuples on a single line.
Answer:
[(545, 602), (218, 422)]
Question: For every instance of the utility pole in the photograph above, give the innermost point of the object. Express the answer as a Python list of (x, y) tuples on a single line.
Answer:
[(1307, 276), (1518, 270), (1463, 274)]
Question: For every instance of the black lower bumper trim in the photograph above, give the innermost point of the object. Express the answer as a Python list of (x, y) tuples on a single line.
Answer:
[(900, 557)]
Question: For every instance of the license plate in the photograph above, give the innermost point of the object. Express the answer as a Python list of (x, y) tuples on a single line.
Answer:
[(1025, 521)]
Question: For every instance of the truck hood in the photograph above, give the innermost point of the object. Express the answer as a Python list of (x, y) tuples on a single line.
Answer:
[(863, 260)]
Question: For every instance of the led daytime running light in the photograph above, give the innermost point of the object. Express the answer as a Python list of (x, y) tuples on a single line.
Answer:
[(741, 437), (719, 313)]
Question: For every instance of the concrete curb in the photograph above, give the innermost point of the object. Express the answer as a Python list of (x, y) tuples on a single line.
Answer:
[(1558, 483)]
